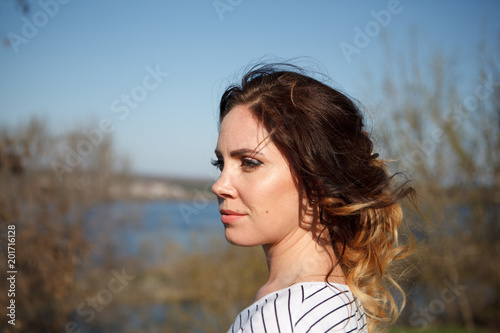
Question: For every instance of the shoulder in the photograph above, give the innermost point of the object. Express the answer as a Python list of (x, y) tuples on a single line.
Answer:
[(305, 307), (328, 308)]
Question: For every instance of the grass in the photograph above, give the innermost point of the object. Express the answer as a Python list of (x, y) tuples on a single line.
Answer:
[(436, 330)]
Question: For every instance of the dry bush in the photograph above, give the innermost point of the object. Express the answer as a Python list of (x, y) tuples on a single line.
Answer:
[(48, 213), (217, 284), (443, 127)]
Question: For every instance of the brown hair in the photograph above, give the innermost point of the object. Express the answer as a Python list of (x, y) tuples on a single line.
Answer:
[(321, 132)]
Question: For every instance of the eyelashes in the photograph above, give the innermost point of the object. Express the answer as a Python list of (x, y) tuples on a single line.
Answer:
[(247, 163), (250, 163), (218, 163)]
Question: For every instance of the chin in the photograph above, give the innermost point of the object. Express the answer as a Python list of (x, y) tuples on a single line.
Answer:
[(239, 241)]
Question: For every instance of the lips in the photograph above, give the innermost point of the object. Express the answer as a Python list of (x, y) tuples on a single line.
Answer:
[(229, 216)]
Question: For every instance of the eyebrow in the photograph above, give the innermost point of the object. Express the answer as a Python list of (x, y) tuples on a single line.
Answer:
[(239, 152)]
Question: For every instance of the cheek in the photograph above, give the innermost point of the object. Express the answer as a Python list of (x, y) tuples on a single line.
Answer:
[(257, 194), (277, 195)]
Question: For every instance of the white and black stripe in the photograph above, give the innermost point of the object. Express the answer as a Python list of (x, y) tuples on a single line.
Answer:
[(309, 307)]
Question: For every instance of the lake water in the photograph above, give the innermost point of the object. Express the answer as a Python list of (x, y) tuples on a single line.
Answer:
[(142, 230), (133, 227)]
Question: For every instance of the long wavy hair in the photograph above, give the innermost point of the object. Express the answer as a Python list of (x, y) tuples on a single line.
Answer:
[(321, 133)]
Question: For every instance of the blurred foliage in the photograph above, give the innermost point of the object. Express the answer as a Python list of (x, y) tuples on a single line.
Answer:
[(199, 290), (221, 282), (438, 330), (443, 128), (48, 213)]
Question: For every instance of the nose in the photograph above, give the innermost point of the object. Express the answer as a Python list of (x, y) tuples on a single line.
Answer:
[(223, 188)]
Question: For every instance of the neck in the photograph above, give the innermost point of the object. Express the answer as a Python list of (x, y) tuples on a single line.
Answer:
[(300, 255), (299, 258)]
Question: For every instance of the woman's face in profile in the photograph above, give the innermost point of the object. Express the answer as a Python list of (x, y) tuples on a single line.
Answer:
[(258, 198)]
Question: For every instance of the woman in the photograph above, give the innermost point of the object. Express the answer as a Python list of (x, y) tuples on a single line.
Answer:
[(299, 177)]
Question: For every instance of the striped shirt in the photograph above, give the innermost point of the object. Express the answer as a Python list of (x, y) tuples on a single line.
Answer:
[(301, 308)]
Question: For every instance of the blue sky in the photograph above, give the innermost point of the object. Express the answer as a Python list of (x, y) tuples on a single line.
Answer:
[(85, 55)]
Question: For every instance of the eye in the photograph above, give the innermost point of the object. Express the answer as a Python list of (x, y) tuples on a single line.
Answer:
[(248, 163), (218, 163)]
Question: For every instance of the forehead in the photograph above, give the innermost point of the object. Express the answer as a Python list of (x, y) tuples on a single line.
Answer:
[(240, 127)]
